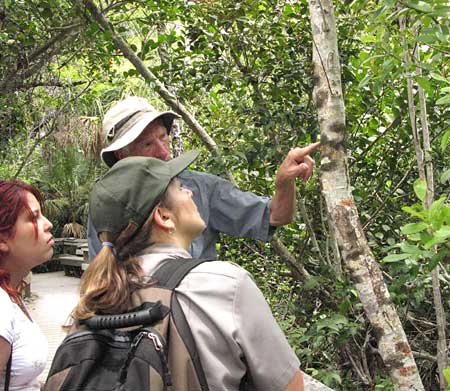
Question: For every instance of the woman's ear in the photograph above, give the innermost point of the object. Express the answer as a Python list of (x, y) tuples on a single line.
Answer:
[(163, 218), (3, 246)]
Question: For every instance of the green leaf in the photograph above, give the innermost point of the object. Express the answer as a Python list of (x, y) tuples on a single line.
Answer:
[(444, 100), (425, 236), (413, 228), (335, 323), (368, 38), (425, 84), (409, 248), (415, 237), (435, 213), (441, 10), (310, 283), (420, 6), (379, 235), (442, 37), (439, 77), (426, 38), (364, 81), (420, 188), (446, 373), (436, 258), (445, 176), (396, 257), (415, 212), (440, 236), (288, 10), (446, 214), (445, 140)]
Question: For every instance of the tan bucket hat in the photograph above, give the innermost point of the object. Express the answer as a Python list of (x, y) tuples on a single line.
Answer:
[(125, 121)]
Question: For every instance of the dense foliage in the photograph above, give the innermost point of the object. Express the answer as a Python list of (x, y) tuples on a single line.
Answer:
[(243, 68)]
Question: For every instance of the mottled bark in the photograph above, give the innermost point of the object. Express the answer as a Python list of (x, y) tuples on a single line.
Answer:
[(357, 257)]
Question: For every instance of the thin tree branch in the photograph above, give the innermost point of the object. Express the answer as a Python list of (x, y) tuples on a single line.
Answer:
[(309, 228), (397, 121), (14, 78), (50, 83), (387, 198), (53, 41), (52, 129), (424, 356)]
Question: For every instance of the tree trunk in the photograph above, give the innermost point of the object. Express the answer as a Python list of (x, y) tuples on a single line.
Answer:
[(425, 169), (441, 355), (356, 254)]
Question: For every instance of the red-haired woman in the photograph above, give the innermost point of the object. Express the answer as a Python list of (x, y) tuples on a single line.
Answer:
[(25, 242)]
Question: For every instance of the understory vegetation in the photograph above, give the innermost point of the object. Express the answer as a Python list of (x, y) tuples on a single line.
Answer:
[(243, 71)]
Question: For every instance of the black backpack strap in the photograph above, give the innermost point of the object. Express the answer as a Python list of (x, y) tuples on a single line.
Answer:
[(172, 271), (169, 275), (8, 371)]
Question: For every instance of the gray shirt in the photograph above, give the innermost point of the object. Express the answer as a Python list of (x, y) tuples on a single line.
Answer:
[(231, 322), (224, 208)]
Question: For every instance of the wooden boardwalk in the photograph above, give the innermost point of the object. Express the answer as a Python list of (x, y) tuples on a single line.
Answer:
[(53, 296)]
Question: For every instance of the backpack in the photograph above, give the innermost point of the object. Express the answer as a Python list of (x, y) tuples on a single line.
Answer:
[(159, 354)]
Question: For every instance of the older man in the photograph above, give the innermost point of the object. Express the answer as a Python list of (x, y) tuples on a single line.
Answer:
[(132, 127)]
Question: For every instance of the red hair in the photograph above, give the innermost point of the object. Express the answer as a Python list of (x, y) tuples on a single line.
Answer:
[(13, 200)]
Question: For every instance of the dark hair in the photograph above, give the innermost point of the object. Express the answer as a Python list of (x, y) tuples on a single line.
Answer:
[(13, 200)]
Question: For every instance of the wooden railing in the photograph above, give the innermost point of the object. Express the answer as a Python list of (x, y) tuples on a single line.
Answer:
[(72, 254)]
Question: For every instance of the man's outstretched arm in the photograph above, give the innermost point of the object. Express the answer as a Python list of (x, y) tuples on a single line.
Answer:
[(297, 164)]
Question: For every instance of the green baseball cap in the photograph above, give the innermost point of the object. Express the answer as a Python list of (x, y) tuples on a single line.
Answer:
[(131, 189)]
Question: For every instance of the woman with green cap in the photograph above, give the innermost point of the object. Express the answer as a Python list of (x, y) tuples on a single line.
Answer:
[(144, 216)]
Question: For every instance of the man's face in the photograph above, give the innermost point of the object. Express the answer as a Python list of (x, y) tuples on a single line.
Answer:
[(152, 142)]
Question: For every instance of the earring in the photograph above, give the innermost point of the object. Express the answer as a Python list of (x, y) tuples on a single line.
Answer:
[(172, 231)]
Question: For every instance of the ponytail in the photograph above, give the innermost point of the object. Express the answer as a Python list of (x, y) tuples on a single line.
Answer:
[(111, 278)]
